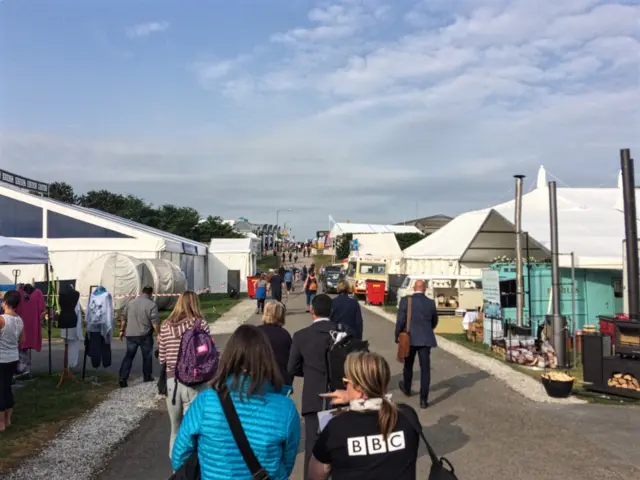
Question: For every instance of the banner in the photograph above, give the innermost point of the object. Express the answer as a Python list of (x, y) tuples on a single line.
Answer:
[(24, 182), (491, 294)]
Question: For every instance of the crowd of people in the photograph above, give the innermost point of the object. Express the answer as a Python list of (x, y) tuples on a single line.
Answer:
[(231, 414)]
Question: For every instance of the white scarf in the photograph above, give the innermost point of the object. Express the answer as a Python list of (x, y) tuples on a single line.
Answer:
[(368, 404)]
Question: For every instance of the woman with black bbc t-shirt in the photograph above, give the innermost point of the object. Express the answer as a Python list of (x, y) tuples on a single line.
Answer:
[(374, 440)]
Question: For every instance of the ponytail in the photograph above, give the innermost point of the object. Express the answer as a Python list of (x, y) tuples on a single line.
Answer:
[(387, 417)]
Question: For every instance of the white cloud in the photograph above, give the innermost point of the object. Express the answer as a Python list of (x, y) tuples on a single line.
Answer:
[(366, 108), (146, 29)]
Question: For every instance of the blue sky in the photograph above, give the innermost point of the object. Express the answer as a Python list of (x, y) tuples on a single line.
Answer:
[(356, 108)]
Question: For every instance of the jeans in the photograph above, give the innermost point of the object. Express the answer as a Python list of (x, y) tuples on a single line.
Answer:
[(146, 346), (424, 357), (7, 370), (310, 294), (184, 397)]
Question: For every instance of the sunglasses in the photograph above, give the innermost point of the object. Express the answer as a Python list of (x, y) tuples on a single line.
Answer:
[(345, 380)]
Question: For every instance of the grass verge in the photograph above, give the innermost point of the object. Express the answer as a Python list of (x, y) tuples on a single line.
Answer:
[(578, 387), (42, 411), (268, 262), (213, 305)]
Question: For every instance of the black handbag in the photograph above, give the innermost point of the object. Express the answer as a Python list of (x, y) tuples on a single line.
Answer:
[(162, 380), (190, 469), (257, 472), (441, 468)]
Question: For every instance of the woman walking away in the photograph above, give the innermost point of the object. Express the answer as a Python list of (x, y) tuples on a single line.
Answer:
[(310, 288), (389, 437), (261, 292), (249, 377), (182, 320), (279, 338), (11, 336)]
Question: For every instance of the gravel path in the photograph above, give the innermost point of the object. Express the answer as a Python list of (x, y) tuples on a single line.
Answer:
[(80, 449), (521, 383)]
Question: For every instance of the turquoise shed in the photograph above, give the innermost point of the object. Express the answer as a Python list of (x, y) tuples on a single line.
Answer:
[(598, 292)]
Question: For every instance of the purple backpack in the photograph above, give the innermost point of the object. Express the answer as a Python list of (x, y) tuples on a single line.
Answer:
[(198, 358)]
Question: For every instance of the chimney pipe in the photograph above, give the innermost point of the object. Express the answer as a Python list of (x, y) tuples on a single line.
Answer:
[(631, 233), (519, 276), (559, 322)]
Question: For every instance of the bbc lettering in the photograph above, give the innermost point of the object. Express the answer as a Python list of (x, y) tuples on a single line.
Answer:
[(375, 444)]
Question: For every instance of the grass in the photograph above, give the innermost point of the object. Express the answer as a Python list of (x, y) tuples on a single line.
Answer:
[(393, 309), (268, 262), (213, 305), (322, 260), (42, 411), (579, 389)]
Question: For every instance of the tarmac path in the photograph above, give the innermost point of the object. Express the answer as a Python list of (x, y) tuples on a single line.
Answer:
[(484, 428)]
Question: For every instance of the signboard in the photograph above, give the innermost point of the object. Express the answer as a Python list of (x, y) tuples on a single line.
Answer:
[(491, 294), (354, 245), (24, 182), (322, 233)]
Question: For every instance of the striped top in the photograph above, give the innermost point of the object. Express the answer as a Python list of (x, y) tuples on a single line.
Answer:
[(169, 340)]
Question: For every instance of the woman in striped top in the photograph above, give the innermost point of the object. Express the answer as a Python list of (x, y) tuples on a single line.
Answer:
[(182, 318)]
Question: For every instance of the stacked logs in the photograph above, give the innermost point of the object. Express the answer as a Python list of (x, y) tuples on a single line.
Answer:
[(624, 380)]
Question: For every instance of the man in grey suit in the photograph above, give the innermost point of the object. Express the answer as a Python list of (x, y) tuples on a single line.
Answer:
[(423, 321)]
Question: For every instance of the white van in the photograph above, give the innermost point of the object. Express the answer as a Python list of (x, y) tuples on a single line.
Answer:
[(458, 292)]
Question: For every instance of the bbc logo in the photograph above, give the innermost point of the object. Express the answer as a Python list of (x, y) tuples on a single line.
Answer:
[(375, 444)]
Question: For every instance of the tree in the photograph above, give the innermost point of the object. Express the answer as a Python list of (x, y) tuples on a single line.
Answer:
[(183, 221), (343, 246), (405, 240), (214, 227), (63, 192)]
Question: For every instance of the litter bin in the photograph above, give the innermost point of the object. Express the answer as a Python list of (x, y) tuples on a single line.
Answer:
[(251, 286), (375, 292)]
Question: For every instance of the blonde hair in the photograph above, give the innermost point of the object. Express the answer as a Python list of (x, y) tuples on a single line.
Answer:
[(343, 287), (370, 372), (188, 306), (274, 313)]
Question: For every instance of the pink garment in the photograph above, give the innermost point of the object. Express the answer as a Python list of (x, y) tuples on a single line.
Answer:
[(31, 313)]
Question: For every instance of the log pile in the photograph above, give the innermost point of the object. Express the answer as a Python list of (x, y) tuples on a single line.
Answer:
[(624, 380)]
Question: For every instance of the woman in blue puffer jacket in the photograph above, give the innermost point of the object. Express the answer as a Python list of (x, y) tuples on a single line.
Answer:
[(248, 371)]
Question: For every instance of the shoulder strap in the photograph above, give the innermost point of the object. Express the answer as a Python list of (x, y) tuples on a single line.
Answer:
[(409, 314), (257, 472)]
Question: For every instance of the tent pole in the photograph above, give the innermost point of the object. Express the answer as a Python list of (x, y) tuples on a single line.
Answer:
[(518, 224), (49, 315)]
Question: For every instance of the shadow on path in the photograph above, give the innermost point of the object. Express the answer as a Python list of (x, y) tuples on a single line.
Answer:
[(444, 436), (455, 384)]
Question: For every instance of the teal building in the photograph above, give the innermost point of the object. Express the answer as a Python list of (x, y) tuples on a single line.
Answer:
[(598, 292)]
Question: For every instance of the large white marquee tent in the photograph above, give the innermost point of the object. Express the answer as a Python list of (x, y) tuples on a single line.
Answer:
[(590, 224), (75, 236)]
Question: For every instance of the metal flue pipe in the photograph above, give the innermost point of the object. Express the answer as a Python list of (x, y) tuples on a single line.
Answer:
[(559, 322), (519, 276), (631, 233)]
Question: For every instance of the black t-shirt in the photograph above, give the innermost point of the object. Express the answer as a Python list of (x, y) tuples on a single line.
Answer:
[(276, 285), (354, 447)]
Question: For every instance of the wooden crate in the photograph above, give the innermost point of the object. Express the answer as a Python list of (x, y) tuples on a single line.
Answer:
[(475, 332)]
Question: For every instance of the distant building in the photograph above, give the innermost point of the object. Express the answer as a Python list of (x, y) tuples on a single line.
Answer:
[(428, 225)]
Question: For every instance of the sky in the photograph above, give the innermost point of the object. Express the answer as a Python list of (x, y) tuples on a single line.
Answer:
[(372, 111)]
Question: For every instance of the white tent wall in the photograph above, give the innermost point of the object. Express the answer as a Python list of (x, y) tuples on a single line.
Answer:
[(381, 245), (231, 254)]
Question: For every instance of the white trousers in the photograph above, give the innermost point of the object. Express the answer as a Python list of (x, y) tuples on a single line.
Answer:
[(184, 396)]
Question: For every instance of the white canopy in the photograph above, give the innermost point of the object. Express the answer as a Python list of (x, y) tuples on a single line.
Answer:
[(233, 245), (590, 224), (17, 252), (344, 228)]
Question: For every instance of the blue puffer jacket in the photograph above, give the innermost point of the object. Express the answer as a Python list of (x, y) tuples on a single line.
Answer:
[(271, 424)]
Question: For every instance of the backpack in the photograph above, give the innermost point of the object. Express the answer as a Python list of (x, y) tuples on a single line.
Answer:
[(313, 285), (342, 344), (198, 358)]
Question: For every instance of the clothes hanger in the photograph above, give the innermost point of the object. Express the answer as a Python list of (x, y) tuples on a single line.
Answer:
[(99, 290)]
